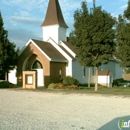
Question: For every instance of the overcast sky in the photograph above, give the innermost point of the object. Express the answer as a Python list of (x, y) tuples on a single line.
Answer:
[(23, 18)]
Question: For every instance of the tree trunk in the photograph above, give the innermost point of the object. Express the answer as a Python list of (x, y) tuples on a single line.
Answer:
[(96, 79), (6, 76), (89, 77)]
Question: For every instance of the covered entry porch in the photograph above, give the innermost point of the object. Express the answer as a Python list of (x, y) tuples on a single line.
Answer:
[(33, 63)]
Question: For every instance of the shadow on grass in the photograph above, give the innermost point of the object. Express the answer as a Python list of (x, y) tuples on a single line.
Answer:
[(119, 123)]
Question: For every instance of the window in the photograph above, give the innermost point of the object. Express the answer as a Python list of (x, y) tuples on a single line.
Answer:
[(84, 71), (37, 65), (60, 75)]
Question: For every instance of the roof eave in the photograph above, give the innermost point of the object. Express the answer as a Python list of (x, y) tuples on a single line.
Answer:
[(58, 60), (45, 25)]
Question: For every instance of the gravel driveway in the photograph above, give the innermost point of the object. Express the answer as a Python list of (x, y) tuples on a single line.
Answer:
[(28, 110)]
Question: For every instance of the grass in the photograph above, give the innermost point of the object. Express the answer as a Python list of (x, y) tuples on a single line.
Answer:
[(118, 91)]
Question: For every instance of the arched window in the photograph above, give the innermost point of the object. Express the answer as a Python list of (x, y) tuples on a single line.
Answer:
[(37, 65)]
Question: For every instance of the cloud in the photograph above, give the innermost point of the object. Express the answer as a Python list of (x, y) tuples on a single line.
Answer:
[(68, 9), (115, 15), (25, 20), (124, 6), (21, 36), (24, 9), (71, 4), (89, 0), (25, 17), (26, 4)]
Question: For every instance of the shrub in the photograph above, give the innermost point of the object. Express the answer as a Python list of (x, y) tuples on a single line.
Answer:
[(127, 71), (76, 82), (52, 86), (60, 86), (73, 87), (68, 80), (115, 83), (5, 84)]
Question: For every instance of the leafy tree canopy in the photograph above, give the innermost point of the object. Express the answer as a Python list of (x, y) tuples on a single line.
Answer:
[(123, 38), (8, 51), (93, 35), (127, 11)]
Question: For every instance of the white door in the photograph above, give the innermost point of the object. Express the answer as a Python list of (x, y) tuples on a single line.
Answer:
[(40, 78)]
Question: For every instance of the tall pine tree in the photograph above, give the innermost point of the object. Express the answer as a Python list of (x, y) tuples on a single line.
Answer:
[(93, 36), (123, 38), (8, 52)]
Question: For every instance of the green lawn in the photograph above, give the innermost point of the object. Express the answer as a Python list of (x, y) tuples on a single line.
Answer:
[(123, 91)]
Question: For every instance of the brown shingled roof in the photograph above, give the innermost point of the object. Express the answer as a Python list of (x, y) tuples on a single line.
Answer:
[(69, 45), (104, 72), (50, 50), (54, 15), (67, 52)]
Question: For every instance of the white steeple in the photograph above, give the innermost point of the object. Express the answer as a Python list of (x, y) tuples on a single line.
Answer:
[(54, 25)]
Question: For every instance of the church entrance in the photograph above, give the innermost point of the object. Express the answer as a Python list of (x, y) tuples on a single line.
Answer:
[(37, 66)]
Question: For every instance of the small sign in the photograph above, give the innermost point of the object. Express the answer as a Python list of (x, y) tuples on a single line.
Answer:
[(29, 79)]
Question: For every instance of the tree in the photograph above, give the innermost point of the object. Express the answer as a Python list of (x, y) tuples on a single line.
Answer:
[(123, 38), (93, 36), (8, 51), (127, 11)]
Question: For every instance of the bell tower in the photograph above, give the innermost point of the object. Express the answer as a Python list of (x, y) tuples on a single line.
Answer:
[(54, 25)]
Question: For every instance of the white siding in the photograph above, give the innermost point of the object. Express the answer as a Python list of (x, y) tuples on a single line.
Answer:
[(12, 76), (92, 75), (40, 76), (78, 72), (62, 34), (69, 68), (110, 66), (68, 49), (114, 67), (55, 32), (50, 31), (116, 72), (119, 72), (103, 79)]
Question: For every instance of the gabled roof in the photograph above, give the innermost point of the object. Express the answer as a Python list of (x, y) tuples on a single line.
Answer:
[(69, 45), (114, 60), (54, 15), (104, 72), (66, 52), (50, 50), (47, 49)]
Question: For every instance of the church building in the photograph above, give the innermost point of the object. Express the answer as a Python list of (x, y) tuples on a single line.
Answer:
[(54, 57), (51, 57)]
